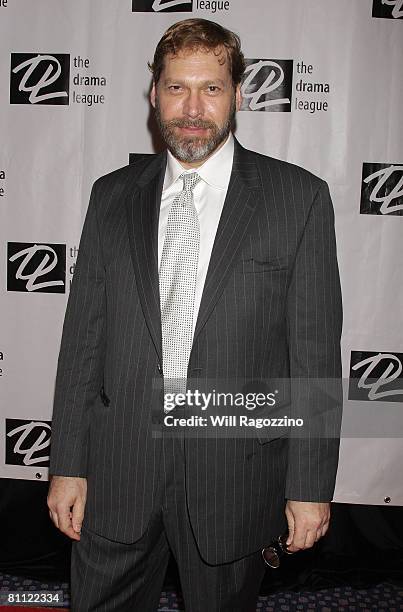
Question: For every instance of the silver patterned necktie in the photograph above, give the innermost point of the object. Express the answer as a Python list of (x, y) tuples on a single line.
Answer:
[(177, 280)]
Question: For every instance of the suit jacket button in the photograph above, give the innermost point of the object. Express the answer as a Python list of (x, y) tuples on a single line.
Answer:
[(159, 368)]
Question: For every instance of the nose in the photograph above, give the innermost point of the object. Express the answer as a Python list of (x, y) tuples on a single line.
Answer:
[(193, 105)]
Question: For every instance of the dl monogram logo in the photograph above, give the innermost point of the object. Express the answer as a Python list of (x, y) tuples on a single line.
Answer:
[(387, 9), (382, 189), (36, 267), (27, 442), (267, 85), (376, 376), (39, 78), (157, 6)]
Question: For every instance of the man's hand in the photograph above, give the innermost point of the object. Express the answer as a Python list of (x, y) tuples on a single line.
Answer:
[(307, 523), (66, 502)]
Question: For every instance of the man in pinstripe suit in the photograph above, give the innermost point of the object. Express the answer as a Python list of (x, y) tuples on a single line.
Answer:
[(265, 304)]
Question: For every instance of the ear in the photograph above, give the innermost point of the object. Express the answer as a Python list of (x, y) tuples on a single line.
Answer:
[(238, 96), (153, 94)]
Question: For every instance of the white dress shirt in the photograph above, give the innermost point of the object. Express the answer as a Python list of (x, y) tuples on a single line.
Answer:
[(209, 195)]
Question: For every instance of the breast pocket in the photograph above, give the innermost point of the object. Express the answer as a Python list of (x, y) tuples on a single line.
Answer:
[(253, 265)]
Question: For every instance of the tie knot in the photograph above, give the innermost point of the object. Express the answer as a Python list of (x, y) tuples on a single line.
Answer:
[(190, 181)]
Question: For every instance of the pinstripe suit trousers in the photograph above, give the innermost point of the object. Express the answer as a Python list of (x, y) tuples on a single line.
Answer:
[(111, 576)]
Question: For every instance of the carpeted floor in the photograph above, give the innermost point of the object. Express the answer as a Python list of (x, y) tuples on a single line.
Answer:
[(384, 596)]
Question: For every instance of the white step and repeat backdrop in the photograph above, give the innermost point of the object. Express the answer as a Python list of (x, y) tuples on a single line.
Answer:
[(323, 89)]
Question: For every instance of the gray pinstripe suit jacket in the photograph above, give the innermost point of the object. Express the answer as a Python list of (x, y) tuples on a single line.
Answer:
[(271, 306)]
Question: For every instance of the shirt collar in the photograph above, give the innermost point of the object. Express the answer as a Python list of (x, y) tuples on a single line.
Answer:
[(215, 171)]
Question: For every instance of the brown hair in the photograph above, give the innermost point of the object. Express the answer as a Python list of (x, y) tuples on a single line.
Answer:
[(195, 34)]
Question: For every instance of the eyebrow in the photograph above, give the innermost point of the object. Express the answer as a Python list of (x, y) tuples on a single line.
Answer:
[(167, 81)]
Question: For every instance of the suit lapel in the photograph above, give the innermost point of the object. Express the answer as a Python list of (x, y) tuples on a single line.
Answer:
[(142, 207), (243, 197), (143, 200)]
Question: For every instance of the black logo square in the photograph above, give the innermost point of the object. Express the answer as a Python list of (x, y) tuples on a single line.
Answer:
[(382, 189), (159, 6), (267, 85), (36, 267), (387, 9), (376, 376), (27, 442), (39, 78)]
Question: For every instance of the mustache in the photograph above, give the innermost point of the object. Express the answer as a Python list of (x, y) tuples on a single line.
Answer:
[(187, 123)]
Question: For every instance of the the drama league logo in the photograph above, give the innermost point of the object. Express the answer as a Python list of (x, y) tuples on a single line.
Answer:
[(39, 78), (157, 6), (36, 267), (267, 85), (387, 9), (27, 442), (382, 189), (376, 376)]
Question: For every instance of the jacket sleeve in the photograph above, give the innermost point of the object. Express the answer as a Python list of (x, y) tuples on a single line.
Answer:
[(80, 365), (314, 322)]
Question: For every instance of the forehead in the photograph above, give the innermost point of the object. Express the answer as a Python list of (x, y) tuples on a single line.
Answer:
[(198, 63)]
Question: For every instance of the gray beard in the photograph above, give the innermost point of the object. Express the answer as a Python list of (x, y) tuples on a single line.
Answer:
[(194, 149)]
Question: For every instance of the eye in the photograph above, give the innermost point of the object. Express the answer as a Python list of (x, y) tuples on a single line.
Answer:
[(213, 88), (174, 88)]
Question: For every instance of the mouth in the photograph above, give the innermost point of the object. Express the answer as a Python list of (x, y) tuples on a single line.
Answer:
[(193, 130)]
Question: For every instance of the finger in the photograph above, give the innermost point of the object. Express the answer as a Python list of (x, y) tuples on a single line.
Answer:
[(298, 539), (325, 527), (318, 535), (77, 515), (65, 525), (291, 527), (53, 518), (310, 539)]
